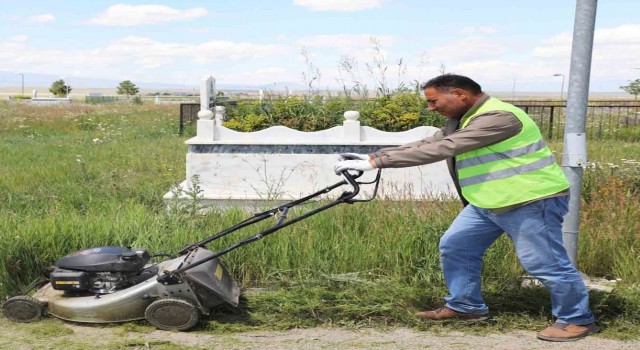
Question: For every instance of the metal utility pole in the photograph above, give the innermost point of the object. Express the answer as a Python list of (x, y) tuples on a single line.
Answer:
[(574, 156)]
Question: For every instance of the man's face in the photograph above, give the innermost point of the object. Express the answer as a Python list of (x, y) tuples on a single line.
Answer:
[(452, 104)]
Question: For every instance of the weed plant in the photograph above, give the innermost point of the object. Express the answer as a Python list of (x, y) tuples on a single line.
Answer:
[(80, 176)]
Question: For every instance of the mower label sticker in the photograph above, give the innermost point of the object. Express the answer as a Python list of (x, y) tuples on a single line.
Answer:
[(87, 252), (218, 272), (66, 282)]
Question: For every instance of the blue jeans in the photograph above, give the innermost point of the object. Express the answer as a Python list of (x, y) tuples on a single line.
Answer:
[(536, 232)]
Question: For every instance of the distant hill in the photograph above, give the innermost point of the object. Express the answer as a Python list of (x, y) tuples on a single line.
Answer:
[(11, 83)]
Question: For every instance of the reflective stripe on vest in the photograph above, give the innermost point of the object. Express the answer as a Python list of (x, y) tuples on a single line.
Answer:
[(516, 170), (501, 174), (497, 156)]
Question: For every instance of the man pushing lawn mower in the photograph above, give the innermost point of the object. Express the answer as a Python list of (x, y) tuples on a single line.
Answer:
[(509, 182)]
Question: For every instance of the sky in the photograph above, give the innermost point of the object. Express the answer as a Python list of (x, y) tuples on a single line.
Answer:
[(505, 45)]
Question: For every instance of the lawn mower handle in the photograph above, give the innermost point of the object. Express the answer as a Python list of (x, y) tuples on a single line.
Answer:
[(346, 197)]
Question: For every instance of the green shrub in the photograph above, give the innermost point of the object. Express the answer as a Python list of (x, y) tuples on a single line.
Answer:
[(399, 112), (248, 122)]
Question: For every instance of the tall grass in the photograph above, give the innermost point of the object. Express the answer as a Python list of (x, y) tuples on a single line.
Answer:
[(80, 176)]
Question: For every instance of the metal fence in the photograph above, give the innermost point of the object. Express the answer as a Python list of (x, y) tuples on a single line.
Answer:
[(102, 99), (189, 113), (159, 99), (613, 121)]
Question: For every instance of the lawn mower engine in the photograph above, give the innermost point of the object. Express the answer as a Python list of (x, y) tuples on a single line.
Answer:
[(100, 270)]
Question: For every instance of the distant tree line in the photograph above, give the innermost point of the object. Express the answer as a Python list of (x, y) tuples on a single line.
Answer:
[(60, 89)]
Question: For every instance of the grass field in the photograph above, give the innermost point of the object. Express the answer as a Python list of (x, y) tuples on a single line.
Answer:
[(78, 176)]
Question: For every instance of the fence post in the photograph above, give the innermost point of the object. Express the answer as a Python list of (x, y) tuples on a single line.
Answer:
[(181, 127), (551, 123)]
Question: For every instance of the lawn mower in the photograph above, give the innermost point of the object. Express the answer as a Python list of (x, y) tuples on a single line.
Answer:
[(119, 284)]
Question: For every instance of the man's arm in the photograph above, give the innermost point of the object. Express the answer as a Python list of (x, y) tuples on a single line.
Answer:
[(482, 130), (437, 136)]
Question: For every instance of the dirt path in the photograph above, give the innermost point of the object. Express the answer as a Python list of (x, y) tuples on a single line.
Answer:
[(54, 334), (322, 338)]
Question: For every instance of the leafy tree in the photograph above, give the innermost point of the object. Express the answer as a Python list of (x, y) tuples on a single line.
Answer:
[(633, 88), (128, 88), (59, 88)]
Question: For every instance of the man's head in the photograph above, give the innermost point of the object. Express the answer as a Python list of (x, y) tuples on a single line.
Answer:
[(451, 95)]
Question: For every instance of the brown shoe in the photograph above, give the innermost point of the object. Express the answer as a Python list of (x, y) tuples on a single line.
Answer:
[(444, 313), (567, 332)]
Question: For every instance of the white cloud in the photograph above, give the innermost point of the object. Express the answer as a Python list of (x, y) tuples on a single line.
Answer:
[(615, 50), (197, 30), (470, 48), (338, 5), (222, 49), (496, 64), (332, 49), (499, 74), (14, 44), (136, 58), (495, 69), (19, 38), (624, 34), (265, 75), (624, 38), (270, 70), (478, 30), (44, 18), (131, 15), (48, 61), (552, 51), (345, 41), (556, 46), (152, 53)]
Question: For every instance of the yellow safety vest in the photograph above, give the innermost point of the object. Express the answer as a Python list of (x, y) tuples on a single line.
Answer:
[(516, 170)]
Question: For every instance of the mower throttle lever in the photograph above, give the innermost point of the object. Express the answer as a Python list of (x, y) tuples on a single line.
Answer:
[(169, 278)]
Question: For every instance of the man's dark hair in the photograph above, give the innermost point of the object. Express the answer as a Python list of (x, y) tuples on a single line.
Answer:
[(452, 81)]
